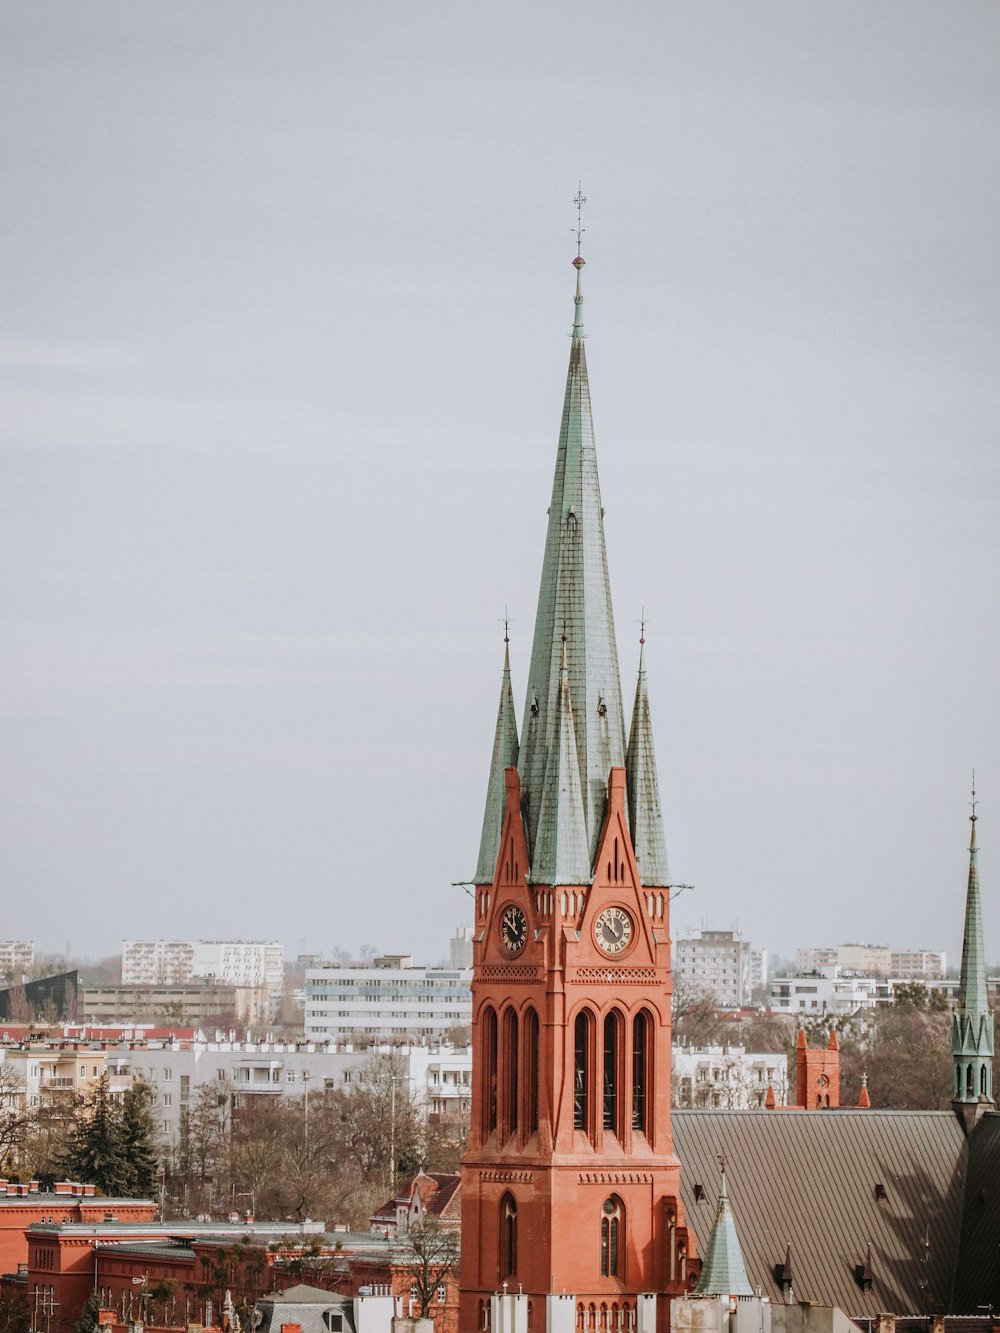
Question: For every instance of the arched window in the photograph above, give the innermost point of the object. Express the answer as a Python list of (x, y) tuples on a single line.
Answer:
[(510, 1072), (581, 1070), (489, 1084), (508, 1236), (982, 1081), (531, 1071), (970, 1084), (640, 1071), (611, 1047), (612, 1237)]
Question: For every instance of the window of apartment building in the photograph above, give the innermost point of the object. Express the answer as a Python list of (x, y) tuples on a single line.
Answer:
[(168, 1099), (95, 1069), (83, 1071), (167, 1075)]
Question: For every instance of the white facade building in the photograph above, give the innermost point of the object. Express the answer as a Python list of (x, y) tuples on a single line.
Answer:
[(438, 1078), (828, 990), (870, 959), (16, 958), (729, 1078), (175, 962), (419, 1003), (919, 964), (717, 963)]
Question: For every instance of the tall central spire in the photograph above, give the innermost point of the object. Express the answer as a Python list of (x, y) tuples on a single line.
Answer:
[(972, 1022), (575, 599)]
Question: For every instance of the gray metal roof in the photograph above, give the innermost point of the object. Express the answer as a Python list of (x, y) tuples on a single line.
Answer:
[(504, 756), (807, 1179), (575, 595), (643, 788)]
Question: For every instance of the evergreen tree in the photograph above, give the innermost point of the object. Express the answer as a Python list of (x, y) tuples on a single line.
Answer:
[(142, 1166), (97, 1152)]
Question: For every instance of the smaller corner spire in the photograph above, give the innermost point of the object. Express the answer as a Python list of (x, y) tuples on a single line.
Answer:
[(723, 1271), (504, 756), (579, 261), (642, 783)]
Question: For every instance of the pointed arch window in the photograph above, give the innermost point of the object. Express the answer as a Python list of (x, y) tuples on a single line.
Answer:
[(581, 1070), (984, 1091), (640, 1071), (531, 1071), (612, 1237), (489, 1083), (510, 1072), (508, 1236), (612, 1048)]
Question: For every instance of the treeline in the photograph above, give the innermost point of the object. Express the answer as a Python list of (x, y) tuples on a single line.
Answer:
[(329, 1155)]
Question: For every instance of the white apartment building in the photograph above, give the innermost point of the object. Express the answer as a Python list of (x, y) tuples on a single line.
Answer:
[(870, 959), (397, 1001), (716, 962), (729, 1078), (919, 965), (438, 1078), (17, 957), (175, 962), (758, 970), (828, 990)]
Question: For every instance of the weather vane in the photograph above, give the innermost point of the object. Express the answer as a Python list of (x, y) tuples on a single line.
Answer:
[(642, 624), (580, 200), (506, 626)]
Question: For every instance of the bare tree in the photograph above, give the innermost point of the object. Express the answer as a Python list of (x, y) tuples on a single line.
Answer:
[(428, 1254)]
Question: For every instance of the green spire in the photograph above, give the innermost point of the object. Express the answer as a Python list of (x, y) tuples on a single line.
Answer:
[(504, 756), (972, 1022), (723, 1272), (642, 787), (575, 592), (561, 852)]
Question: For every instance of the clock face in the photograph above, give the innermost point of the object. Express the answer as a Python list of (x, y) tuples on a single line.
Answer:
[(613, 930), (513, 929)]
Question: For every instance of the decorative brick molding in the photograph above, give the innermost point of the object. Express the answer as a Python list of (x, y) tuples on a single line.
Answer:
[(518, 975), (507, 1177), (611, 976)]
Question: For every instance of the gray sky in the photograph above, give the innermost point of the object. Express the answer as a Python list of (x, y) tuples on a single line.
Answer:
[(284, 297)]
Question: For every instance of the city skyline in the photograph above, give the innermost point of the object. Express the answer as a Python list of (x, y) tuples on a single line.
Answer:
[(283, 347)]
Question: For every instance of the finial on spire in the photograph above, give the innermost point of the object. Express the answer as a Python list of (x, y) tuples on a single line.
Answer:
[(974, 802), (579, 262), (506, 640), (580, 200)]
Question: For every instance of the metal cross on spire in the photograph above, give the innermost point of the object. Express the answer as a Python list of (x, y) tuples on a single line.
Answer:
[(580, 200)]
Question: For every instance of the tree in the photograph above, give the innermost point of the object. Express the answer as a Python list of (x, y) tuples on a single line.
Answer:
[(142, 1163), (14, 1316), (13, 1120), (111, 1143), (97, 1152), (428, 1254), (905, 1050)]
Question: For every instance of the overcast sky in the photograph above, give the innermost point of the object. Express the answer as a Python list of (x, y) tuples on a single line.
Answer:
[(284, 297)]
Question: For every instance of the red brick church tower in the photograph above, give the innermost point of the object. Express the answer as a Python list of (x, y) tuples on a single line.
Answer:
[(570, 1186)]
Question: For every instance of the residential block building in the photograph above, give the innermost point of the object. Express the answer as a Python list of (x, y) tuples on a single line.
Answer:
[(876, 960), (17, 957), (176, 962), (719, 963), (395, 1000)]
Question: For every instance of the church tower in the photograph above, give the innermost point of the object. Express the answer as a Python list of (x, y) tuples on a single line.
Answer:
[(571, 1212), (972, 1021)]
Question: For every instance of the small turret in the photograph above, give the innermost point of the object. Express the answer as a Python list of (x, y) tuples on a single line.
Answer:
[(723, 1272), (504, 757), (643, 788)]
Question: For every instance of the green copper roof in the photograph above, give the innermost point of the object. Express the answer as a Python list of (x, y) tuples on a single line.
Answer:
[(723, 1272), (504, 756), (575, 595), (643, 789), (972, 1022), (562, 855)]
